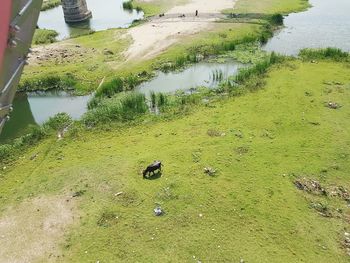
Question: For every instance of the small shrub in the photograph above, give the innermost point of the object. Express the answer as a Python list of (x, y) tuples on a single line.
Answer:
[(276, 19), (58, 122), (128, 5)]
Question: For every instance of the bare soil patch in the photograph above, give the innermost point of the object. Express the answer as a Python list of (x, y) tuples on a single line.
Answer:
[(34, 229)]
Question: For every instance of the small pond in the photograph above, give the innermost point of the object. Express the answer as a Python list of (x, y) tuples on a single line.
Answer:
[(200, 74), (105, 14)]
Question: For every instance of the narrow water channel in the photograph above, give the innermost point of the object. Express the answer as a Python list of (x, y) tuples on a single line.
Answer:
[(105, 14)]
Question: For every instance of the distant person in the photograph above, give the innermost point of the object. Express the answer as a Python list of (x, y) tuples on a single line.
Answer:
[(196, 12)]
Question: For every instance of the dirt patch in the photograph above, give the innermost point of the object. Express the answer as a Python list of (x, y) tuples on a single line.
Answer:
[(33, 230), (58, 53)]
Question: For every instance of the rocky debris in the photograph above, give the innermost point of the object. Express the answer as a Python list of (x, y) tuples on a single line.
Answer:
[(107, 52), (314, 187), (346, 242), (333, 105), (209, 171), (339, 191), (158, 211), (322, 209), (310, 186)]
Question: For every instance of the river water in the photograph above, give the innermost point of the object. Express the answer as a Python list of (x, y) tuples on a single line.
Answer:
[(105, 14), (326, 24)]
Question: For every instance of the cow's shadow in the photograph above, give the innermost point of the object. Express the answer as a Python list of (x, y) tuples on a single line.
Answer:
[(154, 176)]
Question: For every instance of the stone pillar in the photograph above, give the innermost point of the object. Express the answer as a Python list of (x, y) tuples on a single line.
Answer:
[(75, 11)]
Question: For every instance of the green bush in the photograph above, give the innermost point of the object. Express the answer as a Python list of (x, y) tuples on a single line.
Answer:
[(44, 36), (276, 19), (128, 5)]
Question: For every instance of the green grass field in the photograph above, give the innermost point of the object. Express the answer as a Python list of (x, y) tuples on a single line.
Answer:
[(250, 209)]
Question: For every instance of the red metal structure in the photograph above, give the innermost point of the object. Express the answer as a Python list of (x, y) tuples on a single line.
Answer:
[(5, 14), (18, 19)]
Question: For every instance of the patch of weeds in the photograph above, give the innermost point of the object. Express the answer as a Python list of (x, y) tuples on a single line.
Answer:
[(267, 134), (214, 133), (335, 54), (79, 193), (166, 193), (108, 219), (242, 150), (196, 156)]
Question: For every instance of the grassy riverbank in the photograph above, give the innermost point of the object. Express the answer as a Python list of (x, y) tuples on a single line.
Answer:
[(81, 63), (259, 143)]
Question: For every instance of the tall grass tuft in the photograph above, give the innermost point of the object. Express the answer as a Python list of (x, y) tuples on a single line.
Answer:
[(258, 69), (327, 53), (153, 96), (108, 89), (217, 75), (122, 108)]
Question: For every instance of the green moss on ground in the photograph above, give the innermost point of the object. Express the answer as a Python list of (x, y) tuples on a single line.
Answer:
[(250, 209)]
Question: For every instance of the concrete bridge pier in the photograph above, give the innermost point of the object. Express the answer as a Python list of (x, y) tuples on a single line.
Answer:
[(75, 11)]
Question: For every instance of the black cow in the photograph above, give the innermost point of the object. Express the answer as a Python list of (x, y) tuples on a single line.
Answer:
[(157, 165)]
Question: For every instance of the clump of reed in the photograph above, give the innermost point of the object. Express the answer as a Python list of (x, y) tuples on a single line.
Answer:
[(124, 107), (258, 69), (326, 53), (217, 75), (48, 82)]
